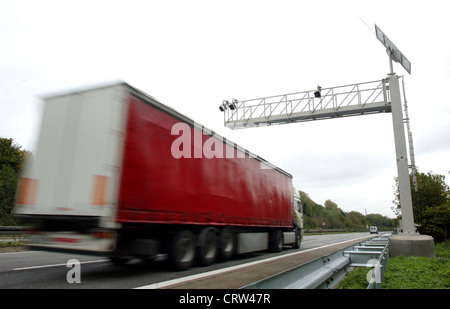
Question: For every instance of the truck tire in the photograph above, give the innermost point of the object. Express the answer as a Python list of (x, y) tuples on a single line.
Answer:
[(121, 255), (298, 240), (182, 250), (227, 243), (119, 260), (276, 243), (207, 245)]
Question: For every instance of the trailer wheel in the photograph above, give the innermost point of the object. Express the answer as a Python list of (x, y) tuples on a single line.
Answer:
[(207, 247), (227, 243), (182, 250), (276, 244)]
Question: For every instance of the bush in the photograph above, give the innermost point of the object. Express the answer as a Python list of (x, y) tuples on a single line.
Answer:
[(12, 159), (436, 221)]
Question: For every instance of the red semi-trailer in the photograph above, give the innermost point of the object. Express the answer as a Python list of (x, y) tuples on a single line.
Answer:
[(118, 173)]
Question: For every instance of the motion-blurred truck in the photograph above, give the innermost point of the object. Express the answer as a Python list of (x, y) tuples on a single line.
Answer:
[(119, 174)]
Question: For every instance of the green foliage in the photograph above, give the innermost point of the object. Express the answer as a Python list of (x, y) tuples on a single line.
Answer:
[(432, 190), (355, 219), (310, 208), (419, 272), (413, 273), (355, 279), (311, 211), (431, 205), (336, 218), (12, 155), (436, 221), (8, 185), (408, 272), (380, 221), (12, 160)]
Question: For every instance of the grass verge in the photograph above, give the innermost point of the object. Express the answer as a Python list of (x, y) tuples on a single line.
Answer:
[(408, 272)]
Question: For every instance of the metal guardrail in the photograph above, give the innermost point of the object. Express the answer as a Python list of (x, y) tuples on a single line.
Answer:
[(16, 233), (6, 230), (327, 271)]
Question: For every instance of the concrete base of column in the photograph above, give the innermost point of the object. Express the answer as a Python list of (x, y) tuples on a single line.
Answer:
[(411, 245)]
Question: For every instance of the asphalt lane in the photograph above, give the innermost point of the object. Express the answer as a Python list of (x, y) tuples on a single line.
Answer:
[(37, 269)]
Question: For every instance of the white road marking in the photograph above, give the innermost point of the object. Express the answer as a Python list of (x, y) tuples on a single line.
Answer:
[(56, 265)]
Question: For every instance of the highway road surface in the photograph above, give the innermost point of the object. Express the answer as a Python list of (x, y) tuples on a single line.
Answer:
[(38, 269)]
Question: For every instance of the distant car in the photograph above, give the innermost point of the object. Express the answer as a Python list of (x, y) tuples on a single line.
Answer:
[(373, 230)]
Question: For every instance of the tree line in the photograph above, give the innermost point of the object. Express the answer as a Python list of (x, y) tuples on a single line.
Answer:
[(330, 216)]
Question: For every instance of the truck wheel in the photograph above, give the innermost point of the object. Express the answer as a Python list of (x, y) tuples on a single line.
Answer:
[(207, 247), (182, 250), (119, 261), (227, 243), (121, 255), (298, 240), (276, 244)]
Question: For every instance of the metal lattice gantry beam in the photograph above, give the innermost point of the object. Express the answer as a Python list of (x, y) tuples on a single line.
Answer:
[(324, 103)]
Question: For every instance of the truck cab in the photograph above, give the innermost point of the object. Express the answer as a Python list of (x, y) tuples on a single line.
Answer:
[(298, 213)]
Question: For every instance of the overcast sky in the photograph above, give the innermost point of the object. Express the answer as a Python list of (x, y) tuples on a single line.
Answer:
[(193, 54)]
